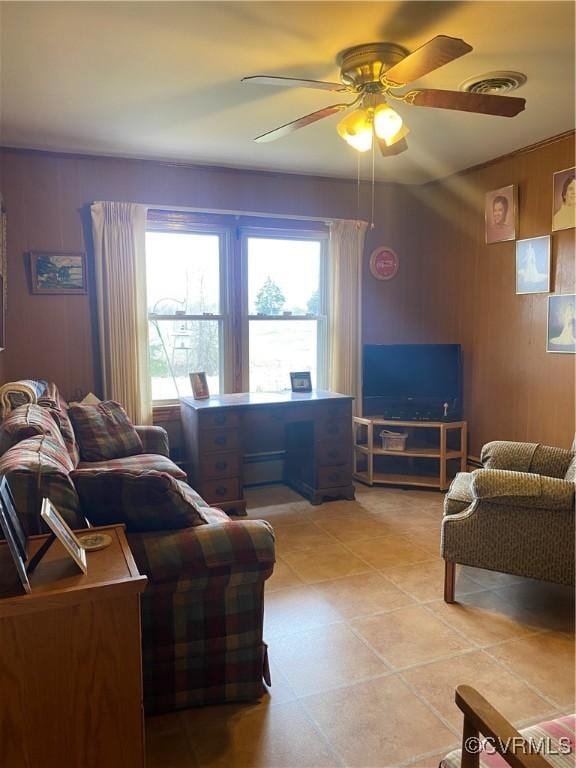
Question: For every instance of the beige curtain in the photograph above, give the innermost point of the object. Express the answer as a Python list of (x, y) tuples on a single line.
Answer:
[(119, 231), (345, 335)]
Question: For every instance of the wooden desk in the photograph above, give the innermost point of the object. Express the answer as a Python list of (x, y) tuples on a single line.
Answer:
[(70, 660), (313, 429)]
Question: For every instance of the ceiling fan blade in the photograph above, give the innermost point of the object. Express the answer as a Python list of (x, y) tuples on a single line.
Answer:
[(295, 82), (485, 103), (302, 122), (395, 149), (433, 54)]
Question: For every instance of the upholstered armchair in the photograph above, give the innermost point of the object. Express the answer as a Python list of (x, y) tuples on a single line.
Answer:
[(515, 515)]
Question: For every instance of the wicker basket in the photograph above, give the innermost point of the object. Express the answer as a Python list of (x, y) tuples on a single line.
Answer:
[(393, 441)]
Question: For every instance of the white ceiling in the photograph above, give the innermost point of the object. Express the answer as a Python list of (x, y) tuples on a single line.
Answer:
[(162, 79)]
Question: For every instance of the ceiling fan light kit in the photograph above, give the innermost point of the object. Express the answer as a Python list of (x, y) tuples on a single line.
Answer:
[(374, 72)]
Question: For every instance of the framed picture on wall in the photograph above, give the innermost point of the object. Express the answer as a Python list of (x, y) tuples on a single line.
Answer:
[(58, 272), (500, 214), (533, 265), (562, 323), (564, 200)]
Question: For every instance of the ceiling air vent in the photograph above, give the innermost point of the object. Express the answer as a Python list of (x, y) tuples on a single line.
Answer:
[(494, 82)]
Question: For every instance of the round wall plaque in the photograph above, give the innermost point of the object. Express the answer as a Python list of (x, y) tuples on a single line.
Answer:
[(384, 263)]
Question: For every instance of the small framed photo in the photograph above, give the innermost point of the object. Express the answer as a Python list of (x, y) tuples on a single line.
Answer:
[(63, 533), (533, 265), (301, 381), (58, 272), (500, 214), (564, 200), (199, 386), (562, 323), (13, 533)]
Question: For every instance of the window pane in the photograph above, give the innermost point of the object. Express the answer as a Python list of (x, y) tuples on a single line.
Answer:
[(278, 347), (178, 348), (283, 276), (183, 273)]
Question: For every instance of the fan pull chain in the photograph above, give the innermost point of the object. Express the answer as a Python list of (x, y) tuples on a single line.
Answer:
[(373, 163), (357, 186)]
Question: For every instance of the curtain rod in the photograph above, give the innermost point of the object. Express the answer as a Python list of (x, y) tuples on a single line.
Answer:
[(227, 212)]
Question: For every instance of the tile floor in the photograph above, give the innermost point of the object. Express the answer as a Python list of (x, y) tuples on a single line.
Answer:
[(365, 655)]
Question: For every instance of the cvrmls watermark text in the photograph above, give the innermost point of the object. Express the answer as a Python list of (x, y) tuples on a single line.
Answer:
[(516, 744)]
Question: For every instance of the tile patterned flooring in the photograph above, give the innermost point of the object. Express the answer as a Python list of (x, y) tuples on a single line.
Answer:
[(365, 655)]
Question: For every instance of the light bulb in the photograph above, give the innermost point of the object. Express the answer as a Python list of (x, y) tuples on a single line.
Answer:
[(356, 129), (387, 122)]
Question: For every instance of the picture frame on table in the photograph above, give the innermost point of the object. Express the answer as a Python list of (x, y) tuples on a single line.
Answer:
[(301, 381), (501, 214), (13, 533), (561, 329), (64, 534), (533, 265), (564, 199), (58, 272), (199, 384)]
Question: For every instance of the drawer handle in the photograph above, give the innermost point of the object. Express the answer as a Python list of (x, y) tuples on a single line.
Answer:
[(333, 454), (221, 440), (334, 476), (220, 419), (221, 490), (221, 465), (333, 428)]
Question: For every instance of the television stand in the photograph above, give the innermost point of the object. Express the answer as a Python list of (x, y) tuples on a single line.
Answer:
[(433, 450)]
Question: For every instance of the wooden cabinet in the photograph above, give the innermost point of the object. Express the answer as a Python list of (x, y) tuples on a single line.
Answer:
[(435, 450), (70, 661), (312, 431)]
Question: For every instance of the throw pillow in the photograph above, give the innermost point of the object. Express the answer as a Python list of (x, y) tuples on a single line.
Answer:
[(104, 431), (143, 501)]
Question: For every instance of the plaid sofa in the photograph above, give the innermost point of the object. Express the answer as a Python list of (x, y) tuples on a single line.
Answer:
[(202, 610), (516, 514)]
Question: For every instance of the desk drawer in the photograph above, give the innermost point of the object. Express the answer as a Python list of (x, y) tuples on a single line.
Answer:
[(219, 465), (333, 453), (218, 440), (226, 489), (218, 419), (334, 477), (335, 429), (337, 410)]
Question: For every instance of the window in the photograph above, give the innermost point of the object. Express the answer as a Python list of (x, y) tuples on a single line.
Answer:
[(245, 304)]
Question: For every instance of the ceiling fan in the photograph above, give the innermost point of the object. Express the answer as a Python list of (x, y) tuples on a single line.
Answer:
[(376, 73)]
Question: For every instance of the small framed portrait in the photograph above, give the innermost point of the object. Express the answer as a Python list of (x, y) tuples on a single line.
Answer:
[(564, 200), (500, 214), (533, 265), (13, 533), (63, 533), (58, 272), (301, 381), (199, 384), (562, 323)]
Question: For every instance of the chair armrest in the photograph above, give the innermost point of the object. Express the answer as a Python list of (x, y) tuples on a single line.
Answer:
[(523, 489), (154, 440), (526, 457), (242, 549), (482, 717)]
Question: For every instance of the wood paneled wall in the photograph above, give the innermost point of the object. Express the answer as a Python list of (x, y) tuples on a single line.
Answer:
[(514, 389), (47, 198), (450, 288)]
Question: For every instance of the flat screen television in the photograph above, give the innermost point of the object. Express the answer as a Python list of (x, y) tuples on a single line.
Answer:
[(412, 381)]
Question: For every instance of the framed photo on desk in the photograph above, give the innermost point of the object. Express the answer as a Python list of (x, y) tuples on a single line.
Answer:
[(301, 381)]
